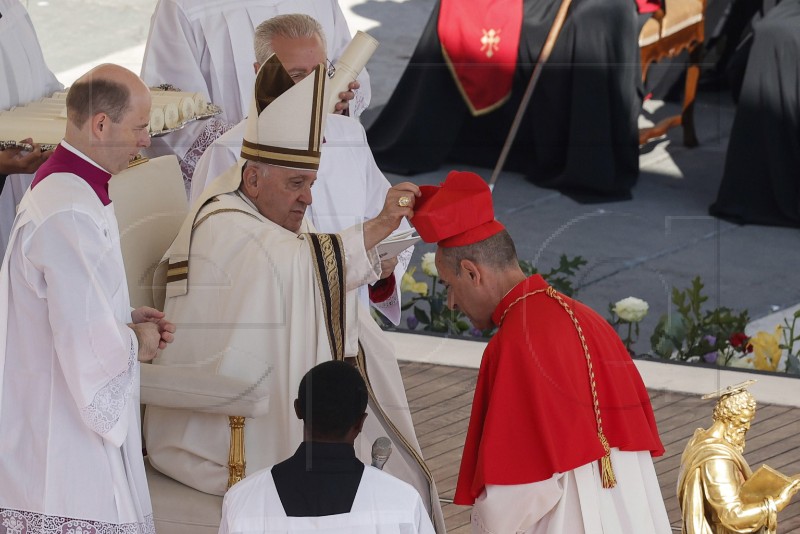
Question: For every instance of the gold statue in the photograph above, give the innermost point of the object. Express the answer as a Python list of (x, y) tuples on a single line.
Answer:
[(717, 490)]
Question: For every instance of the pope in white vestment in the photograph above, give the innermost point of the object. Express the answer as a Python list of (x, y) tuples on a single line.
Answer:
[(70, 453), (25, 78), (265, 304)]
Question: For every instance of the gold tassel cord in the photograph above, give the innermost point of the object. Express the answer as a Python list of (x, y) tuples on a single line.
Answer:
[(606, 470)]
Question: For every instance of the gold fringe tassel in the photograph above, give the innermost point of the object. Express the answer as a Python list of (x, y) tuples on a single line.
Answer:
[(606, 470)]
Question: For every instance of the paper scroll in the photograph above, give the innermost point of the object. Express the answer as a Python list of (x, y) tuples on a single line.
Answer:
[(349, 66)]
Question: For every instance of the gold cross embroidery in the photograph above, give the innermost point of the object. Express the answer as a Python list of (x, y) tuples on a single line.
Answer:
[(490, 40)]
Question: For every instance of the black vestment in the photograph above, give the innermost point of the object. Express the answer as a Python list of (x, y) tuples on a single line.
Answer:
[(761, 181), (579, 134)]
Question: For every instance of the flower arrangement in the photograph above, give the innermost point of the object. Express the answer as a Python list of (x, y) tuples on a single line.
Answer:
[(693, 334)]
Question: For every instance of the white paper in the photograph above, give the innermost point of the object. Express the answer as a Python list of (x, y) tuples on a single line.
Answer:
[(396, 243)]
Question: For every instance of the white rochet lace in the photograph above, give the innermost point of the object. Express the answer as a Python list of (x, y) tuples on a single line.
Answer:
[(107, 405), (20, 522)]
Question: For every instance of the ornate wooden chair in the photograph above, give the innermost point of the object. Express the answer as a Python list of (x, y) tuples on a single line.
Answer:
[(150, 204), (680, 26)]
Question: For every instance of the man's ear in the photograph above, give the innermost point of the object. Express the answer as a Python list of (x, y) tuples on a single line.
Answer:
[(471, 270), (100, 124), (250, 181), (297, 410)]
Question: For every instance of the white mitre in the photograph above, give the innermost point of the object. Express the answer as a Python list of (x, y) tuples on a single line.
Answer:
[(284, 128)]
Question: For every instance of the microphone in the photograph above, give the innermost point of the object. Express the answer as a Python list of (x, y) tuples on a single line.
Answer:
[(381, 450)]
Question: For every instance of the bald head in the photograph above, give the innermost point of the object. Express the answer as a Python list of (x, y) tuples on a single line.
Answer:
[(108, 110), (104, 89)]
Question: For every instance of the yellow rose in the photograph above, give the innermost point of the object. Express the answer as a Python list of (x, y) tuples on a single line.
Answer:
[(409, 285), (766, 349)]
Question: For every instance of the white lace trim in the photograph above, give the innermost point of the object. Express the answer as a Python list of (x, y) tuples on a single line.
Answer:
[(358, 105), (213, 129), (108, 403), (19, 522)]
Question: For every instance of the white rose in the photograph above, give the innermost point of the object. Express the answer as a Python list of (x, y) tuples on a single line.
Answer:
[(630, 309), (429, 265)]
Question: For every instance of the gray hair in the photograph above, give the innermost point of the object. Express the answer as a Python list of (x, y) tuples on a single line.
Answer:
[(292, 26), (496, 251)]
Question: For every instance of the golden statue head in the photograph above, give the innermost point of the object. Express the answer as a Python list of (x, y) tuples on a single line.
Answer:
[(735, 411)]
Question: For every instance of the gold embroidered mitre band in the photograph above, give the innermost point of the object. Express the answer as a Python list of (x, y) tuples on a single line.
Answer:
[(284, 128), (285, 123)]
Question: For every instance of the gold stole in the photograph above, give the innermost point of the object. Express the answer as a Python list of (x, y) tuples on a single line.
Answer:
[(327, 253)]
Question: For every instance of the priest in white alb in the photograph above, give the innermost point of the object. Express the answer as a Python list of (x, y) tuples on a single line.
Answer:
[(70, 345), (350, 188), (261, 298)]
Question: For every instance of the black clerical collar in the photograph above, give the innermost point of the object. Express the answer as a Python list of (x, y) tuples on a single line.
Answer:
[(319, 479)]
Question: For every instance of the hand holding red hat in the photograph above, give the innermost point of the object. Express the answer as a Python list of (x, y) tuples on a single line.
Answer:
[(399, 203), (401, 196)]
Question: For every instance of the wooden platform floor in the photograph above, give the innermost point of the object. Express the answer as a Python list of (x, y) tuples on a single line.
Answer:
[(440, 398)]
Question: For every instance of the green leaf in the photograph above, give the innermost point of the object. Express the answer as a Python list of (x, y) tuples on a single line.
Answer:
[(408, 304), (421, 316)]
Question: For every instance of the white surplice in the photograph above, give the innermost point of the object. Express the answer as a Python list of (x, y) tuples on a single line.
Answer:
[(254, 312), (25, 78), (383, 505), (206, 46), (70, 453), (350, 189), (576, 503)]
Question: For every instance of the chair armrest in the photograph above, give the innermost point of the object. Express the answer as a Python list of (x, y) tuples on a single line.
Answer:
[(200, 391)]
